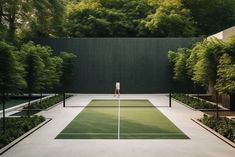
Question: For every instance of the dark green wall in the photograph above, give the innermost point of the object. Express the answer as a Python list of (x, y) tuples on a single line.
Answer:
[(139, 63)]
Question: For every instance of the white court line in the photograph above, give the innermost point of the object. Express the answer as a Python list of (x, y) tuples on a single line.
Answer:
[(68, 133), (119, 118)]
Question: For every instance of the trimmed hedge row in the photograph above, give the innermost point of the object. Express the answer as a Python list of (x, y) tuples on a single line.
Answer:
[(46, 103), (222, 125), (193, 102), (15, 127)]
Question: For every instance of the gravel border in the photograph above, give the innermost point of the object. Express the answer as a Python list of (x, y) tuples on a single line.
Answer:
[(10, 145)]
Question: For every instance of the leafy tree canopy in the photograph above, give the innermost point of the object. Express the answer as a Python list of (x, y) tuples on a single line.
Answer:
[(114, 18), (226, 75), (211, 16), (104, 18), (11, 78), (170, 19)]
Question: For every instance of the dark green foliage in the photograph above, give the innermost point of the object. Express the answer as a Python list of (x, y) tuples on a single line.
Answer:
[(46, 103), (31, 18), (226, 74), (67, 68), (193, 102), (222, 125), (15, 127), (30, 58), (178, 64), (48, 20), (106, 18), (170, 19), (10, 70), (211, 16), (208, 53), (114, 18), (11, 80), (209, 63)]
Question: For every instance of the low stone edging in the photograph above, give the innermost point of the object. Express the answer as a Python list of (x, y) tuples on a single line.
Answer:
[(7, 147), (24, 104), (44, 109), (214, 132), (185, 104), (197, 109), (58, 103)]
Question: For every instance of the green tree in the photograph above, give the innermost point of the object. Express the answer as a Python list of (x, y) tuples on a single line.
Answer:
[(56, 72), (67, 71), (11, 80), (205, 68), (172, 55), (34, 66), (47, 74), (10, 15), (180, 68), (31, 18), (48, 19), (226, 75), (204, 13), (170, 19), (105, 18)]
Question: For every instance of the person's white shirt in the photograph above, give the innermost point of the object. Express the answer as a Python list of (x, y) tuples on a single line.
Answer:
[(118, 85)]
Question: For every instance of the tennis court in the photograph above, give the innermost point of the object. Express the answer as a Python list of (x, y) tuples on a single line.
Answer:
[(121, 119)]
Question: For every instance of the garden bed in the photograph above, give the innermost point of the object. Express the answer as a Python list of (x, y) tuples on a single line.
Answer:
[(12, 101), (221, 125), (194, 102), (16, 127), (46, 103)]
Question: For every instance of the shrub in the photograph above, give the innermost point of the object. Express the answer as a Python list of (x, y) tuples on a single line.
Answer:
[(15, 127), (222, 125), (46, 103), (193, 102)]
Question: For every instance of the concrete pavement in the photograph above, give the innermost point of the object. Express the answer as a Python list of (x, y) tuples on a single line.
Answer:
[(42, 143)]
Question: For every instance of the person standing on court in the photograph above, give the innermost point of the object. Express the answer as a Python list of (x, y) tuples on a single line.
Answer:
[(117, 88)]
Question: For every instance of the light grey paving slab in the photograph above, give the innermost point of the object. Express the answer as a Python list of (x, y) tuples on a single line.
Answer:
[(42, 143)]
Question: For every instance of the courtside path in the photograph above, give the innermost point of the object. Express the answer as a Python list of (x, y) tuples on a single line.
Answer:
[(43, 143)]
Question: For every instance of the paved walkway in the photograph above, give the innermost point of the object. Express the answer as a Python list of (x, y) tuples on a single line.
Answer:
[(42, 143)]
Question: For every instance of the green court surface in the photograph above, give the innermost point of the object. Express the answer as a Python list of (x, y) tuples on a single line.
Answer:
[(134, 119), (13, 102)]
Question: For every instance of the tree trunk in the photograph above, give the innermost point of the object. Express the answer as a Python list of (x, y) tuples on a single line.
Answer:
[(41, 97), (211, 91), (29, 103), (217, 107), (3, 117)]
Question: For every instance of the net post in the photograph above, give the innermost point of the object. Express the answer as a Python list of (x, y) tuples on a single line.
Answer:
[(170, 99), (63, 99), (119, 110)]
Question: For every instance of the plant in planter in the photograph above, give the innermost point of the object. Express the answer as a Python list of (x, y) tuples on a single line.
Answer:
[(17, 127), (193, 102), (222, 125)]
